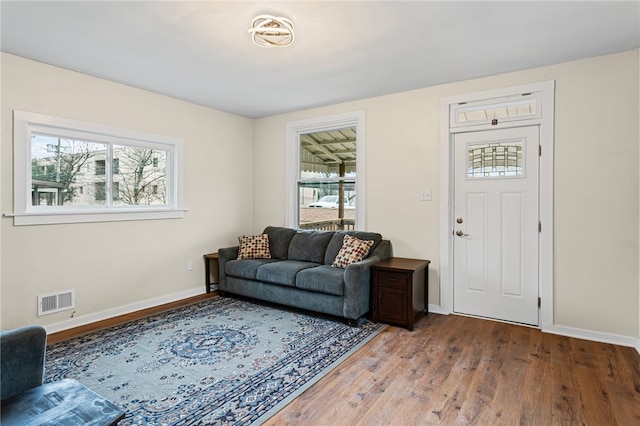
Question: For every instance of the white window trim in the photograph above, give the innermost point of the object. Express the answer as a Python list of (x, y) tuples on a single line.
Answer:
[(546, 176), (293, 131), (24, 123)]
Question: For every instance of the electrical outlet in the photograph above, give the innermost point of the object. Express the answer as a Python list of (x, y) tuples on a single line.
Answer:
[(189, 265), (425, 195)]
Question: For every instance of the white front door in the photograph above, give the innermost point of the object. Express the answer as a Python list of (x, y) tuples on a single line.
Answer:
[(496, 224)]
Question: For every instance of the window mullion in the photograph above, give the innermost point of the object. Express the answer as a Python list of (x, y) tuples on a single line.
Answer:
[(109, 175)]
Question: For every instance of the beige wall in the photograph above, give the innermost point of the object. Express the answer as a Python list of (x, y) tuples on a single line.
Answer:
[(596, 181), (120, 263), (597, 261)]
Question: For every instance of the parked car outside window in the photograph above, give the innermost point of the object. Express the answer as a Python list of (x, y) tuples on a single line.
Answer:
[(329, 202)]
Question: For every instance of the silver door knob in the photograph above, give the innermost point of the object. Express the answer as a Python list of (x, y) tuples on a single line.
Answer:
[(459, 233)]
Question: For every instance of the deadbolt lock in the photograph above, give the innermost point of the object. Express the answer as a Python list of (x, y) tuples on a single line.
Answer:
[(459, 220)]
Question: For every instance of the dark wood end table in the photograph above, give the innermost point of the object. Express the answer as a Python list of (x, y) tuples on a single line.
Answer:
[(208, 259), (400, 290)]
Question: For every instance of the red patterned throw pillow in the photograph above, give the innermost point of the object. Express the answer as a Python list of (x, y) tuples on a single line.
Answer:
[(254, 247), (353, 250)]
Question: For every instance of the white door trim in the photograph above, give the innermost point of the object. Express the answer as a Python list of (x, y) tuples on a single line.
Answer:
[(546, 123)]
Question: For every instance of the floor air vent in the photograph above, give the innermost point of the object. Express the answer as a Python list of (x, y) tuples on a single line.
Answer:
[(56, 302)]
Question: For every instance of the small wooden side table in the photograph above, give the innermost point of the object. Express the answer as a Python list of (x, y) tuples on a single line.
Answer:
[(400, 290), (208, 259)]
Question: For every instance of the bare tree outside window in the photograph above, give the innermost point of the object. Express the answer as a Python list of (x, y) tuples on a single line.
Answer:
[(142, 177)]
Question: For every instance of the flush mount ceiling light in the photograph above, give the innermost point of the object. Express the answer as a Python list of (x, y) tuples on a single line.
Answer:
[(271, 31)]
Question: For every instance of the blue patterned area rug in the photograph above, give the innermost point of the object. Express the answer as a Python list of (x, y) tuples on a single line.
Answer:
[(217, 362)]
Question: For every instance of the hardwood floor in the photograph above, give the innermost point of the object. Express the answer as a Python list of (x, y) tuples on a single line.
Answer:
[(455, 370)]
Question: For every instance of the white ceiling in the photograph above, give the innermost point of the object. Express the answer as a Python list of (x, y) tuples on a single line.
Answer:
[(201, 52)]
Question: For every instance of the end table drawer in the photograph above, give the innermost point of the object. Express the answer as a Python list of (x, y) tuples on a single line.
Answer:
[(393, 279)]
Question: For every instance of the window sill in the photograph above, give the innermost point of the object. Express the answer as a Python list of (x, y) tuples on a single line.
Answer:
[(46, 218)]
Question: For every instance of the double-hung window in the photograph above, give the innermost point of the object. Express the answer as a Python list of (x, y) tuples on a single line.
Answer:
[(325, 173), (71, 171)]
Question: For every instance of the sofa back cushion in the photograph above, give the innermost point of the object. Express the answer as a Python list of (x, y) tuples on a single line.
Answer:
[(309, 246), (279, 240), (336, 243)]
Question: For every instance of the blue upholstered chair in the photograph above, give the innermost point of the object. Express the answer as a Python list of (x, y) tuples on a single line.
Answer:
[(21, 359)]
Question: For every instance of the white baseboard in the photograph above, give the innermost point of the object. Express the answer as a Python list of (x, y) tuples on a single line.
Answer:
[(595, 336), (578, 333), (436, 309), (122, 310)]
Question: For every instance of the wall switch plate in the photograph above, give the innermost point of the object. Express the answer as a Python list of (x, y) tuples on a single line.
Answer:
[(425, 195), (190, 265)]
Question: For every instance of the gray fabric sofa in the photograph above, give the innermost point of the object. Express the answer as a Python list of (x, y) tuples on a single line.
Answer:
[(299, 273)]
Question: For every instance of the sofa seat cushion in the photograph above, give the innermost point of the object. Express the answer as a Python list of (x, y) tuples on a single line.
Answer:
[(283, 272), (245, 268), (323, 279)]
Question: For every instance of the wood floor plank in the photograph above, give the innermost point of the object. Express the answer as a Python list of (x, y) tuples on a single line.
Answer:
[(512, 368), (405, 388), (625, 411), (536, 401), (596, 402)]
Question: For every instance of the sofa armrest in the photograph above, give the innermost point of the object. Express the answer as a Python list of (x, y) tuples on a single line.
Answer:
[(224, 255), (22, 354), (357, 281)]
